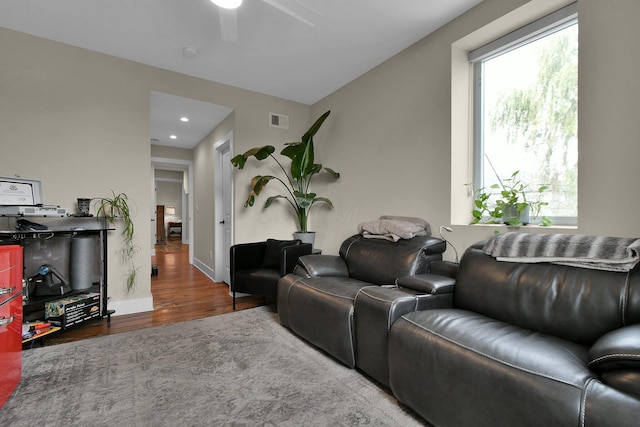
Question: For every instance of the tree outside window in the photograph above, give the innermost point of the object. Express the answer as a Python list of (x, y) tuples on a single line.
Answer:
[(529, 118)]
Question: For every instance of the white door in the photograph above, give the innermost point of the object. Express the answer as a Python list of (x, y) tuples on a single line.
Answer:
[(223, 209), (226, 226)]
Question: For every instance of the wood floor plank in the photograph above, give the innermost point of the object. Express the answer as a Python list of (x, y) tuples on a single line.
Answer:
[(180, 293)]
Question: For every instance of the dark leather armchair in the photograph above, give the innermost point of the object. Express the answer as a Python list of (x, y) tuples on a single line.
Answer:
[(257, 267)]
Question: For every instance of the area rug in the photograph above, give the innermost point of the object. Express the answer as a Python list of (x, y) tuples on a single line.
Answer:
[(237, 369)]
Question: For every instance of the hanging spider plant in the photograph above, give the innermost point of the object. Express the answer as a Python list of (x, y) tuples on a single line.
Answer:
[(116, 208)]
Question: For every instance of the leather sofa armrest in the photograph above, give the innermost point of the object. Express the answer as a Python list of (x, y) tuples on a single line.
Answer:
[(291, 255), (323, 266), (432, 284), (616, 358), (444, 268), (619, 349)]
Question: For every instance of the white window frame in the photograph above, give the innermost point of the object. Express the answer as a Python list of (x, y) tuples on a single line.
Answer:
[(533, 31)]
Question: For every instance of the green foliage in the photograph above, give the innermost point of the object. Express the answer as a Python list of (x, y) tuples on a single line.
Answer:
[(493, 205), (543, 119), (117, 208), (297, 179)]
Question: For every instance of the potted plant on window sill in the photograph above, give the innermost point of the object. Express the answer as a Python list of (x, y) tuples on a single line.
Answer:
[(297, 179), (509, 204)]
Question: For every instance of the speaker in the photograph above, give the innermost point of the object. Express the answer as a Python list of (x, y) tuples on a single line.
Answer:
[(82, 253)]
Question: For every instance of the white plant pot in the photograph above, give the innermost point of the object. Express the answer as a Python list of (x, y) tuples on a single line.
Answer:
[(306, 237), (511, 213)]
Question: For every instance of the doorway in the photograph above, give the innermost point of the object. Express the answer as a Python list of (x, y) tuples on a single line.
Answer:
[(185, 169)]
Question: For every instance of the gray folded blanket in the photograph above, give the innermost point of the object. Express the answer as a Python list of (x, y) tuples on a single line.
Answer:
[(595, 252), (394, 228)]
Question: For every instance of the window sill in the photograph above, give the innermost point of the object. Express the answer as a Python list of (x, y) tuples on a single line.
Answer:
[(518, 228)]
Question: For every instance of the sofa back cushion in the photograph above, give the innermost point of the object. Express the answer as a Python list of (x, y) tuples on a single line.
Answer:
[(381, 262), (568, 302), (273, 252)]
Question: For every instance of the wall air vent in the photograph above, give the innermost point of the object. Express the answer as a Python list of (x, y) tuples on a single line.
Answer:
[(279, 121)]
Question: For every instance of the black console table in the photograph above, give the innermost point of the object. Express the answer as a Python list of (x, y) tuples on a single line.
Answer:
[(52, 247)]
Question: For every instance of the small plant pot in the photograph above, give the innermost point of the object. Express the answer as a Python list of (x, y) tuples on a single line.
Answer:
[(511, 214)]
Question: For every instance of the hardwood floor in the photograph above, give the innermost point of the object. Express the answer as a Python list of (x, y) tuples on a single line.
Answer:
[(180, 292)]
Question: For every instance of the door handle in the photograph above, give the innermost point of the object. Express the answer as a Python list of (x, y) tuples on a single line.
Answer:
[(222, 222), (5, 291), (6, 320)]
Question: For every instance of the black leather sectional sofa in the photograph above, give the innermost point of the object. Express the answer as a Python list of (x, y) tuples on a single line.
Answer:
[(504, 344)]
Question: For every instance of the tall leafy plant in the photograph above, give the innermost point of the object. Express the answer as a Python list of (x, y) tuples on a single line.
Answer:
[(296, 180)]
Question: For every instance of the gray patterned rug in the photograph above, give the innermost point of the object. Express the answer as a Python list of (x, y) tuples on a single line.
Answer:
[(239, 369)]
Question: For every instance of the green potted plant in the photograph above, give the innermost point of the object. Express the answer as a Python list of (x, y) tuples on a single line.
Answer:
[(296, 180), (508, 203), (117, 207)]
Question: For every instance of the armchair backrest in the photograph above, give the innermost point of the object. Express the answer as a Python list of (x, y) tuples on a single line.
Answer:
[(281, 255), (381, 262)]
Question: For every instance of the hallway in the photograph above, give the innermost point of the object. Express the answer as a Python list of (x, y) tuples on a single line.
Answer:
[(180, 292)]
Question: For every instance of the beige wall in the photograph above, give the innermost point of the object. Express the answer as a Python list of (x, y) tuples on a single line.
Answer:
[(86, 117), (162, 151), (170, 194), (391, 134), (79, 121)]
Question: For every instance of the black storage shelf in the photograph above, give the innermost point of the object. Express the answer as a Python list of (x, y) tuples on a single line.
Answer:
[(59, 231), (34, 308)]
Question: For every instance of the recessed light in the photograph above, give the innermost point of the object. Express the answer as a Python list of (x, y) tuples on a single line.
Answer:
[(173, 137), (184, 119)]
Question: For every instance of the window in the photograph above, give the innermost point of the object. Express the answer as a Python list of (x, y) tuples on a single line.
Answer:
[(526, 111)]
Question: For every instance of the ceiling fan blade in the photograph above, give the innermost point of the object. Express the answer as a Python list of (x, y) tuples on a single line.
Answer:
[(228, 24), (289, 12)]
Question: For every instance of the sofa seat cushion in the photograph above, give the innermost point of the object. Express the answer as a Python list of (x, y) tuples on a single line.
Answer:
[(320, 310), (450, 358), (258, 281), (338, 287)]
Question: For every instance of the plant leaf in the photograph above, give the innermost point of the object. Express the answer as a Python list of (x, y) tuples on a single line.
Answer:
[(323, 200), (292, 149), (259, 153), (302, 165), (333, 173), (271, 200), (259, 182), (238, 161), (304, 199), (315, 127)]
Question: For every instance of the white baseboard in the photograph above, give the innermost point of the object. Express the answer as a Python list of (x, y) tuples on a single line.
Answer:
[(131, 306), (208, 271)]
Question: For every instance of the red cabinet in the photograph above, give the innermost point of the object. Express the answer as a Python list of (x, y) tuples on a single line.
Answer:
[(10, 320)]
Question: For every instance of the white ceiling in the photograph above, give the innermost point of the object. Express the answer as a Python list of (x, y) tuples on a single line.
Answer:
[(302, 58), (166, 112)]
